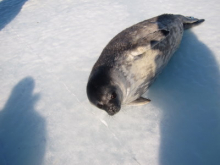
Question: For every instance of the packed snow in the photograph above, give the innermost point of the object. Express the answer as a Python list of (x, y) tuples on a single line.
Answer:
[(47, 51)]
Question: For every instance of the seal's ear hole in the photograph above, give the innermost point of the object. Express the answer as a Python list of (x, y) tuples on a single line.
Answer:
[(113, 95)]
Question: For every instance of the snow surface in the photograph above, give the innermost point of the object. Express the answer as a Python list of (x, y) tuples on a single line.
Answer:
[(47, 51)]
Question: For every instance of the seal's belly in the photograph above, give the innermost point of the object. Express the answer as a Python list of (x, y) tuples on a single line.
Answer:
[(144, 68)]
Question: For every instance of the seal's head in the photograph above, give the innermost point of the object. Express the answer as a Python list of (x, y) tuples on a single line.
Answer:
[(103, 92)]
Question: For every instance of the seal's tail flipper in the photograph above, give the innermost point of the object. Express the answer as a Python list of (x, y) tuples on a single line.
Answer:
[(189, 22)]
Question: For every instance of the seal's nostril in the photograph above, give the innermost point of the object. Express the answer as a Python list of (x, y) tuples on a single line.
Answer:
[(113, 110)]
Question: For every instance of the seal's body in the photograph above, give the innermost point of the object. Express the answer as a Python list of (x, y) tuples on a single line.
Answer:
[(132, 60)]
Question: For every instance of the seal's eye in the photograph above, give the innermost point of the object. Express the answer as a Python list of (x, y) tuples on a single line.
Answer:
[(114, 95)]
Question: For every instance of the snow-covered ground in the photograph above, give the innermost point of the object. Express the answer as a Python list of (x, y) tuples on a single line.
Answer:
[(47, 50)]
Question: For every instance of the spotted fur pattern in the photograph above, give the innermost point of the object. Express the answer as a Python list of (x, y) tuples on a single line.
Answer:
[(138, 54)]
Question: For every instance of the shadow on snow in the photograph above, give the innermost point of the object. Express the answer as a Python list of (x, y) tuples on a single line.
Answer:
[(9, 10), (188, 92), (22, 129)]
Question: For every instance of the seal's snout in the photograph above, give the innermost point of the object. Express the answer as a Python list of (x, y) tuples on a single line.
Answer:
[(113, 110)]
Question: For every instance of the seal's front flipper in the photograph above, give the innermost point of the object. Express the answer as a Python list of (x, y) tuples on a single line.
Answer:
[(189, 22), (140, 101)]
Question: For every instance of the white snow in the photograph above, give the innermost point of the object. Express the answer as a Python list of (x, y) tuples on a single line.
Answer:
[(47, 51)]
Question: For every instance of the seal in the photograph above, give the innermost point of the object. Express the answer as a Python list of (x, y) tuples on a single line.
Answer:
[(133, 59)]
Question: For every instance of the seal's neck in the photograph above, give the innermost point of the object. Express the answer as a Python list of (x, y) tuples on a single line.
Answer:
[(108, 76), (119, 80)]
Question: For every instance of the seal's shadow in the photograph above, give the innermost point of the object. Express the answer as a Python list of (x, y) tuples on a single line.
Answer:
[(187, 93), (9, 10), (22, 129)]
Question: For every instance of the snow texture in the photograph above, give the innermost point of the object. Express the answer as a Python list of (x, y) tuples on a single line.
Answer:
[(47, 51)]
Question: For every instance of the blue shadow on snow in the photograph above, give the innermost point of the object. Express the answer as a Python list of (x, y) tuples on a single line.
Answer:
[(9, 9), (188, 93), (22, 129)]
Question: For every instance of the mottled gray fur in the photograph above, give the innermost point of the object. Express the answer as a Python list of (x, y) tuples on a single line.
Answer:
[(138, 54)]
